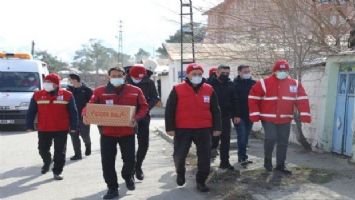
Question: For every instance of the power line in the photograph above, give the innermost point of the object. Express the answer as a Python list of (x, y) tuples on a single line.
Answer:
[(120, 45)]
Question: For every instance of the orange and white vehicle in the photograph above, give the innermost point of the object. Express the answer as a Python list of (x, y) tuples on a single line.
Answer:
[(20, 77)]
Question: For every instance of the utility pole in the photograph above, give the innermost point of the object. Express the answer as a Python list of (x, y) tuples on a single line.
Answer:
[(186, 29), (120, 45), (33, 48)]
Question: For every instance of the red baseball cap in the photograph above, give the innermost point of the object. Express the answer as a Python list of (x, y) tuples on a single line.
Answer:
[(54, 78), (193, 66), (281, 65), (138, 72), (212, 71)]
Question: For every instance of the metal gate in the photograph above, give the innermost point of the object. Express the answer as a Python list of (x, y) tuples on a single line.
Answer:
[(344, 124)]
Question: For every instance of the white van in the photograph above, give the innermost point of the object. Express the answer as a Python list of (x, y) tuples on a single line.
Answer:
[(20, 77)]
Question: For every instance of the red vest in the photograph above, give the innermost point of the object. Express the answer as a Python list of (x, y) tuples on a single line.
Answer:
[(274, 100), (53, 113), (193, 109)]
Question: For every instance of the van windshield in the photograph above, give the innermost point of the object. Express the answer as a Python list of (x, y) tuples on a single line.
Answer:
[(19, 82)]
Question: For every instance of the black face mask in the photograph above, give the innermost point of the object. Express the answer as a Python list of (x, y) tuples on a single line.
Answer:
[(223, 77)]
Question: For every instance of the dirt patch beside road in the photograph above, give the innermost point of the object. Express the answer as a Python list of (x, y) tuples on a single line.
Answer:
[(232, 185)]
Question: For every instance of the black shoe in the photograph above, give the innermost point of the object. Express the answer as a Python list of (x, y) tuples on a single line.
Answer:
[(226, 166), (139, 174), (245, 163), (111, 194), (88, 150), (268, 165), (130, 184), (202, 187), (283, 169), (180, 179), (76, 157), (268, 168), (57, 177), (45, 167)]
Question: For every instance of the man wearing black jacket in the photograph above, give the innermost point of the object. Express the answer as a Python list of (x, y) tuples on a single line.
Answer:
[(192, 114), (138, 77), (223, 87), (82, 95), (242, 85)]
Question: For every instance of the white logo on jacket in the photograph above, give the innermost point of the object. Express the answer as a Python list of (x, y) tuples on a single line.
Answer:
[(206, 99), (60, 98), (109, 102), (293, 88)]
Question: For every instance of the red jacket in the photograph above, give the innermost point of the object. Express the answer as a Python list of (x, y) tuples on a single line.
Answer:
[(274, 100), (53, 110), (130, 96), (193, 110)]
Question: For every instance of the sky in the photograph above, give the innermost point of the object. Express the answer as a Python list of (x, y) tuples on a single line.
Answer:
[(62, 26)]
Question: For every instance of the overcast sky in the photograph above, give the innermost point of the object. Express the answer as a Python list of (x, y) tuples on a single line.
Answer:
[(62, 26)]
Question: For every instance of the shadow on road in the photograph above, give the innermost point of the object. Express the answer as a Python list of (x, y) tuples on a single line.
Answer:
[(19, 187), (122, 193)]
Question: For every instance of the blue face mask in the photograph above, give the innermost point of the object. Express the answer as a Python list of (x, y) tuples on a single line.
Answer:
[(281, 75), (246, 76), (117, 81), (196, 80), (136, 81)]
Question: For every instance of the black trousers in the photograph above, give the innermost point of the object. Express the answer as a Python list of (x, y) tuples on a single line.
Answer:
[(108, 158), (225, 140), (143, 141), (276, 134), (45, 140), (84, 132), (182, 143)]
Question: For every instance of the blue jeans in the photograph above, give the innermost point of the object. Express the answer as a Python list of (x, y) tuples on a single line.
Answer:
[(243, 130)]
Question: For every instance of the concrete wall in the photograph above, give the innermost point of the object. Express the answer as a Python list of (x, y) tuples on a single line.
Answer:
[(314, 82), (320, 84)]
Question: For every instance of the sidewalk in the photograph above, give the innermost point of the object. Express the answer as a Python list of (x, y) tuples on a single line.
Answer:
[(315, 176)]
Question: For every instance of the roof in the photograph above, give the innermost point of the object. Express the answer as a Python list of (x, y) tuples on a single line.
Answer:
[(214, 9), (321, 61), (21, 65), (227, 51)]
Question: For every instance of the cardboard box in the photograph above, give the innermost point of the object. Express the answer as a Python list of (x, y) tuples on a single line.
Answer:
[(109, 115)]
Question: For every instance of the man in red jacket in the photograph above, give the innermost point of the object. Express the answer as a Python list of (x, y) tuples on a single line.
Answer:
[(192, 113), (116, 92), (57, 115), (273, 100), (138, 77)]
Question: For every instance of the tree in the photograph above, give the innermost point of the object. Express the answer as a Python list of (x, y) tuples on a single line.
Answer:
[(141, 54), (95, 56), (54, 63), (162, 53), (296, 30), (199, 35)]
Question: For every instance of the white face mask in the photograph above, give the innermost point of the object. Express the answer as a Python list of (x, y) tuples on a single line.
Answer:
[(281, 75), (49, 87), (31, 79), (246, 76), (136, 81), (196, 80), (117, 81)]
